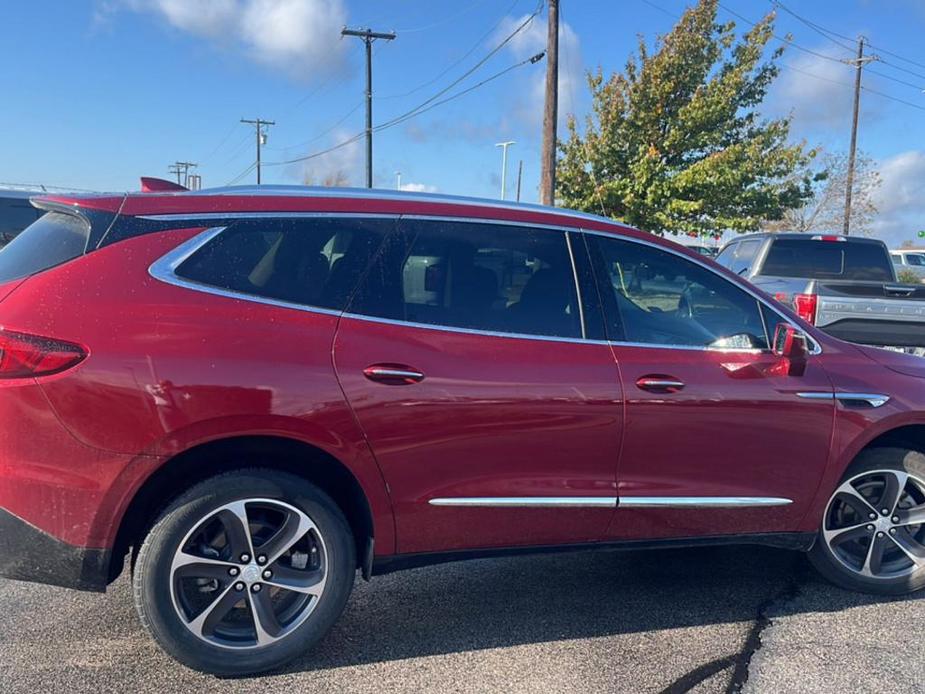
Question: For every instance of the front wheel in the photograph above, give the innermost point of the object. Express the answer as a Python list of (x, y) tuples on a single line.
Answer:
[(872, 537), (244, 572)]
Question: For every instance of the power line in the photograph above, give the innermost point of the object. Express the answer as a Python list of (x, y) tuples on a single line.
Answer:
[(446, 20), (242, 174), (456, 62), (819, 29), (848, 38), (407, 116)]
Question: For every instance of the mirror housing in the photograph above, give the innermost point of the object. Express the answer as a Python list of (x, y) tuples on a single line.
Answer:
[(790, 344)]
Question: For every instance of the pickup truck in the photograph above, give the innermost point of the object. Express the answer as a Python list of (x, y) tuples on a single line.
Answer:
[(845, 285)]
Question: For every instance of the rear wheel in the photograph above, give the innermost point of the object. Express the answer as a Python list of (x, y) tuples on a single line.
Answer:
[(872, 537), (244, 572)]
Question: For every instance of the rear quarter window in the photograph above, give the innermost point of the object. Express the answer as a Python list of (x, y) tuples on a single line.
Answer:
[(53, 239)]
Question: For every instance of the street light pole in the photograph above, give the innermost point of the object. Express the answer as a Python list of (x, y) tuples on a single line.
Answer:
[(504, 146)]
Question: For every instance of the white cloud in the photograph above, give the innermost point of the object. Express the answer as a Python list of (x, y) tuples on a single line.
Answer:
[(301, 37), (901, 198), (532, 40), (818, 92), (343, 165), (419, 188)]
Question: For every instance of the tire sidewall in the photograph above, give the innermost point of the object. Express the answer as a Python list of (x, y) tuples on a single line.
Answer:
[(152, 581), (896, 459)]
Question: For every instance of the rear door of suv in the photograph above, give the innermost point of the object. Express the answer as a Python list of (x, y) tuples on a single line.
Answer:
[(493, 414)]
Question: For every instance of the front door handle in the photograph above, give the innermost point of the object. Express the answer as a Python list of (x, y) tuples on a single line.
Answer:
[(393, 374), (659, 383)]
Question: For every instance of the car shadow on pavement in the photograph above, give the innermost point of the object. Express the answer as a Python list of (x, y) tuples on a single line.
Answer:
[(487, 604)]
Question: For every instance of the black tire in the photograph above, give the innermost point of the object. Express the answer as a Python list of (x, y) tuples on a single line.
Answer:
[(155, 588), (834, 569)]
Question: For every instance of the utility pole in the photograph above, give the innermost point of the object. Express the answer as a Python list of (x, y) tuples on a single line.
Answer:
[(259, 128), (551, 112), (520, 173), (398, 180), (504, 146), (368, 36), (181, 168), (858, 63)]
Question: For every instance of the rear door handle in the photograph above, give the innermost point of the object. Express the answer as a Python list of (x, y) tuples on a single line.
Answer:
[(659, 384), (393, 374)]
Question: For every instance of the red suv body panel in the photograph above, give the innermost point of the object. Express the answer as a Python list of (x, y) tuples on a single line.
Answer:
[(497, 417)]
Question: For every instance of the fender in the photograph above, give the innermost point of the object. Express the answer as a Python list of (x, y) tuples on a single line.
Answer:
[(354, 455)]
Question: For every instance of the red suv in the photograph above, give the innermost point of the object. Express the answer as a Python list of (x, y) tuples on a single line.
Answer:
[(254, 393)]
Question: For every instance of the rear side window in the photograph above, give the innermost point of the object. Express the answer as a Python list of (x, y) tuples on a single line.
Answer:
[(313, 262), (495, 278), (53, 239), (828, 260)]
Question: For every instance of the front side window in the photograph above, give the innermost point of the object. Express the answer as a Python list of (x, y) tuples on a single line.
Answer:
[(655, 297), (312, 262), (913, 259), (479, 276)]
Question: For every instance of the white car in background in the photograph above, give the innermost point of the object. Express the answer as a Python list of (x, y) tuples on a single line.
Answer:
[(909, 261)]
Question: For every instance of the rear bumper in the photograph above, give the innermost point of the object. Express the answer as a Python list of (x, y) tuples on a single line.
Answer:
[(28, 554)]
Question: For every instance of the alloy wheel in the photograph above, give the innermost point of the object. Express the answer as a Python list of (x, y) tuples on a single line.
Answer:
[(874, 524), (249, 573)]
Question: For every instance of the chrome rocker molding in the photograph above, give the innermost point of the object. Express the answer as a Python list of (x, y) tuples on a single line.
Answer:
[(529, 501), (611, 501), (701, 501), (870, 399)]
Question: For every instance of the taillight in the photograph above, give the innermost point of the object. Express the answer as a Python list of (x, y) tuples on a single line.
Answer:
[(805, 306), (26, 356)]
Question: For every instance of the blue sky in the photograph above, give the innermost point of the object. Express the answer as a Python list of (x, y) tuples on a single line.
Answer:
[(103, 91)]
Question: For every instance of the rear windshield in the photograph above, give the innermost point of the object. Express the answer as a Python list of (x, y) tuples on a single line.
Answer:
[(841, 260), (49, 241)]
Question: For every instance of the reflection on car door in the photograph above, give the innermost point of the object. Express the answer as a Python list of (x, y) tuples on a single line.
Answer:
[(494, 422), (717, 440)]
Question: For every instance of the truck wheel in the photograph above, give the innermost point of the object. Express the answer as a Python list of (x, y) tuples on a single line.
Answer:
[(872, 537), (244, 572)]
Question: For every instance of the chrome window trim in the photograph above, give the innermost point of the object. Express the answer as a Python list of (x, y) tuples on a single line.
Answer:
[(164, 270), (815, 347), (701, 501), (527, 501)]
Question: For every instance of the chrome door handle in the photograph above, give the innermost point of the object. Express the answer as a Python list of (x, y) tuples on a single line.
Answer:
[(393, 374), (659, 384)]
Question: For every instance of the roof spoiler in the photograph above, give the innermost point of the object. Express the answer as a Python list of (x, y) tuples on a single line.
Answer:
[(150, 184)]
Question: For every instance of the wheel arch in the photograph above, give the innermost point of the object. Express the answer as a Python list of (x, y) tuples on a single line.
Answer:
[(211, 458)]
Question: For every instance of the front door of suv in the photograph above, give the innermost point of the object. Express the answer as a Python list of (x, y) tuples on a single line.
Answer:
[(717, 438), (495, 423)]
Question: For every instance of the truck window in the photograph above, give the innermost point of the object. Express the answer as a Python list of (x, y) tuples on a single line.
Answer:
[(838, 260)]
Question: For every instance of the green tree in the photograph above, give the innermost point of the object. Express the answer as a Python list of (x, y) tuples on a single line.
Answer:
[(675, 144)]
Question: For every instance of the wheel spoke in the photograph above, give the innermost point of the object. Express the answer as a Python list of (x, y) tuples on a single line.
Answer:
[(204, 624), (874, 559), (266, 624), (293, 529), (194, 569), (911, 516), (182, 559), (839, 535), (853, 498), (237, 528), (894, 484), (910, 548), (308, 582)]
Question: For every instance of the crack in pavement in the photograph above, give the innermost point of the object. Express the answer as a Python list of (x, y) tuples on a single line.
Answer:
[(752, 645)]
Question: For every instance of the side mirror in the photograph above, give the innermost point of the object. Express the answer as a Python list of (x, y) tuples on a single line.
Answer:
[(790, 344)]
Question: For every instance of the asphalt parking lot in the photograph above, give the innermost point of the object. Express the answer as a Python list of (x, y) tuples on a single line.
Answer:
[(705, 620)]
